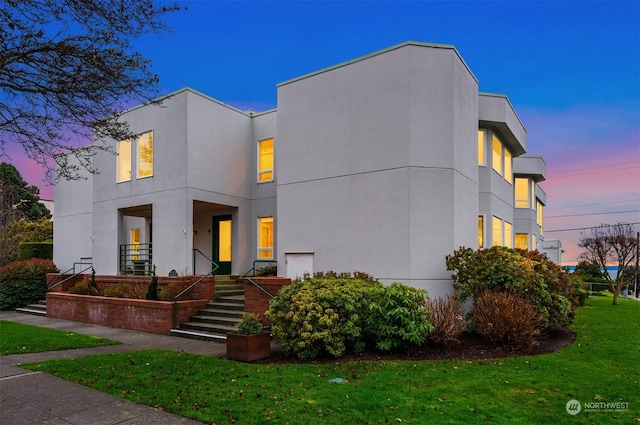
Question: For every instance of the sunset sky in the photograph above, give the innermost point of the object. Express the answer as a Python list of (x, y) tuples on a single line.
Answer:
[(571, 70)]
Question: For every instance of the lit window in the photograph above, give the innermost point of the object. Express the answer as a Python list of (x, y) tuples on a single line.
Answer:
[(481, 160), (522, 192), (145, 155), (265, 238), (135, 244), (540, 216), (265, 160), (508, 174), (497, 155), (497, 232), (480, 231), (508, 234), (124, 160), (522, 241)]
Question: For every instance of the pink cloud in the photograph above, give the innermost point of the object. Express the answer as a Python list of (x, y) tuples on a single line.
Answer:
[(593, 168)]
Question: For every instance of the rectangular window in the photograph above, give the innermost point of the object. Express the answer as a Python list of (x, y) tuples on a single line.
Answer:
[(497, 231), (497, 155), (522, 241), (124, 161), (508, 161), (540, 217), (481, 160), (135, 244), (265, 160), (145, 155), (265, 238), (508, 234), (480, 231), (522, 192)]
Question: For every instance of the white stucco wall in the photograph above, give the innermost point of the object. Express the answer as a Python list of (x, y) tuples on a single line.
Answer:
[(377, 165)]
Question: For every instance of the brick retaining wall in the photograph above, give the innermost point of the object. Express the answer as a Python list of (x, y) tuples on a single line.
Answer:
[(140, 315), (255, 301)]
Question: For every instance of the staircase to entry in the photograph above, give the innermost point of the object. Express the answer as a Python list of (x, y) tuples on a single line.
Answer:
[(219, 316)]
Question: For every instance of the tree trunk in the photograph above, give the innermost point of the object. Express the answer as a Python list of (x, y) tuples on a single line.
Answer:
[(616, 293)]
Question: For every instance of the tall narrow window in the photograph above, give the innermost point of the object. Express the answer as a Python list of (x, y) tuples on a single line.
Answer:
[(481, 159), (265, 238), (480, 231), (522, 241), (265, 160), (540, 216), (124, 161), (522, 192), (497, 154), (145, 154), (508, 161), (135, 244), (497, 231), (508, 234)]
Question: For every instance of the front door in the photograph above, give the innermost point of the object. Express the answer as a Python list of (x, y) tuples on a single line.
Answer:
[(222, 231)]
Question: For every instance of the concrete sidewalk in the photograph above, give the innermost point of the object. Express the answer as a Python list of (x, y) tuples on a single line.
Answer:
[(31, 398)]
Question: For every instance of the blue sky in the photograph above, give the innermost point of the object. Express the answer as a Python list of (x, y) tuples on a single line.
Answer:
[(571, 69)]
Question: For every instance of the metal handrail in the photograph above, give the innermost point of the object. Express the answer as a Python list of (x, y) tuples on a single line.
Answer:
[(49, 288), (252, 270), (214, 268)]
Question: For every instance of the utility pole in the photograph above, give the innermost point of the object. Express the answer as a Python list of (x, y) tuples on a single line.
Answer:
[(637, 263)]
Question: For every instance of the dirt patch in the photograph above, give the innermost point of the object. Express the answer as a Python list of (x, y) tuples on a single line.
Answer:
[(469, 347)]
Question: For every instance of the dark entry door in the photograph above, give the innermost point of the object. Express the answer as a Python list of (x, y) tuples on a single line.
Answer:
[(222, 232)]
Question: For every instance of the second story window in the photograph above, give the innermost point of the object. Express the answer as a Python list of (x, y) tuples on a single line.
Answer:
[(145, 154), (265, 160), (144, 157), (540, 216), (502, 159), (481, 160), (124, 161), (524, 192)]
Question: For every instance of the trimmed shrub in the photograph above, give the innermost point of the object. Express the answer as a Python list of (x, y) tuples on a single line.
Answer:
[(447, 319), (117, 291), (506, 317), (398, 318), (152, 290), (28, 250), (24, 282), (527, 273), (322, 315), (85, 287), (169, 292)]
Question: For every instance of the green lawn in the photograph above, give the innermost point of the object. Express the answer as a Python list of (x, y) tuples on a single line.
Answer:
[(16, 338), (601, 366)]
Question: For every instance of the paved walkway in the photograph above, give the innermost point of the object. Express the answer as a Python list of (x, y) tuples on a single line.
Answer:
[(31, 398)]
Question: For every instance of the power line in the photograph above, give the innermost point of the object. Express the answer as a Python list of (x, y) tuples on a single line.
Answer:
[(579, 215), (592, 205), (606, 170), (584, 228)]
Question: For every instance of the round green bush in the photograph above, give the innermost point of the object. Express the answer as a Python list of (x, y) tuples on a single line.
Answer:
[(24, 282), (322, 315)]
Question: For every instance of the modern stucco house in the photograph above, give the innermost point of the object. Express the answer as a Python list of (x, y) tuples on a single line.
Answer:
[(384, 164)]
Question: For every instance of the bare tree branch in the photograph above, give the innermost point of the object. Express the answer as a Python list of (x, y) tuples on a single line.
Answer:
[(67, 68)]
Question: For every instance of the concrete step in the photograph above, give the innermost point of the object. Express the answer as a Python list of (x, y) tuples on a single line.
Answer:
[(228, 292), (203, 336), (216, 330), (39, 309), (216, 312)]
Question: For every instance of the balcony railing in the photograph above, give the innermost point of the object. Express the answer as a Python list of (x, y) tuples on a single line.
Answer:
[(136, 259)]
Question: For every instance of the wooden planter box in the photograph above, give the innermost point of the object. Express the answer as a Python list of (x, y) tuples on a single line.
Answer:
[(248, 348)]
